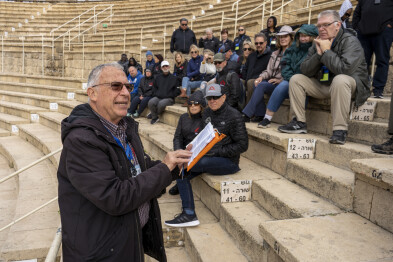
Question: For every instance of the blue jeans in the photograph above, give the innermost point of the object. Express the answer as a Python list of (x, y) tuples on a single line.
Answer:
[(212, 165), (137, 101), (380, 45), (256, 106), (280, 93), (190, 85)]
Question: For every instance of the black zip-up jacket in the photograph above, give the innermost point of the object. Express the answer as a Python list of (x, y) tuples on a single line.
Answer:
[(99, 198), (165, 86), (256, 63), (237, 45), (225, 46), (180, 72), (211, 44), (145, 88), (230, 88), (370, 18), (182, 40), (227, 120), (187, 129)]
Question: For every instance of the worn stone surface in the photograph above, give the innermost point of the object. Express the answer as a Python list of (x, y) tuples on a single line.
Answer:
[(342, 237)]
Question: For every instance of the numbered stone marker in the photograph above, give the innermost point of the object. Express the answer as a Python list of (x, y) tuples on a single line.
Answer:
[(300, 148), (235, 191), (34, 117), (14, 129), (53, 106), (13, 29), (364, 112), (84, 86), (70, 95)]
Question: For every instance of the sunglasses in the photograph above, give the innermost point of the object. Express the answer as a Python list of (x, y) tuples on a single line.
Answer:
[(190, 103), (218, 63), (184, 24), (194, 52), (118, 86), (247, 49), (259, 43), (240, 30), (213, 97), (347, 15)]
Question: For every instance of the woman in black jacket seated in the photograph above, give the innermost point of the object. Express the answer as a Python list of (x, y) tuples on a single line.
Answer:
[(189, 126), (180, 67), (145, 93)]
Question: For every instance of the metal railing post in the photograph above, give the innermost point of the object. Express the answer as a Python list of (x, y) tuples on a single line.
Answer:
[(164, 41), (63, 56), (124, 41), (55, 246), (23, 55), (222, 23), (140, 44), (192, 23), (2, 54), (42, 55), (282, 10), (237, 10), (79, 27), (271, 7), (69, 40), (110, 19), (103, 44), (263, 15), (83, 55), (309, 12), (53, 48)]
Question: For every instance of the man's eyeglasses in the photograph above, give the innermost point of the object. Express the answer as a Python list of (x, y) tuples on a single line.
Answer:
[(325, 25), (218, 62), (190, 103), (213, 97), (184, 24), (194, 52), (118, 86), (247, 49), (259, 43), (240, 30)]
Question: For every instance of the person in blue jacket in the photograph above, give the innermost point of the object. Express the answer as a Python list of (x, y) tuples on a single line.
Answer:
[(194, 77), (134, 78), (150, 63)]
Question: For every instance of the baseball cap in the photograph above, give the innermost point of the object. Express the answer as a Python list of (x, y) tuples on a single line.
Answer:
[(213, 90), (219, 57), (164, 63)]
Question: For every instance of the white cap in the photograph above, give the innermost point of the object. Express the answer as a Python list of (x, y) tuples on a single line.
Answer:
[(164, 63)]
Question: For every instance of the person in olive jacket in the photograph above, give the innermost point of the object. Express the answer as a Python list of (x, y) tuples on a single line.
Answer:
[(107, 184)]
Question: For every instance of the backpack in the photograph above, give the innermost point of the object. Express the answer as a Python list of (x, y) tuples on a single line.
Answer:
[(242, 97)]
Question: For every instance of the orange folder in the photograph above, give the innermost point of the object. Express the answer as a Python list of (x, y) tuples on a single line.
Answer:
[(217, 138)]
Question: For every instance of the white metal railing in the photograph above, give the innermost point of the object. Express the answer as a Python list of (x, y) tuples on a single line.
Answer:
[(54, 248), (208, 15)]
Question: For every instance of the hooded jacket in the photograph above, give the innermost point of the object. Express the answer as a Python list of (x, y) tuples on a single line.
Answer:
[(146, 86), (135, 80), (231, 88), (227, 120), (295, 55), (256, 63), (99, 197), (165, 86), (193, 68), (182, 40), (346, 56)]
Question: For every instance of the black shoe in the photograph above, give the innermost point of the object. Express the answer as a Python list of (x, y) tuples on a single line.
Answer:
[(183, 220), (161, 193), (246, 119), (385, 148), (149, 116), (154, 121), (380, 96), (294, 127), (338, 137), (174, 190), (257, 119), (265, 123)]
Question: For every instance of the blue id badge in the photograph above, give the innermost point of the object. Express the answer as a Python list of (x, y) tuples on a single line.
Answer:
[(237, 46)]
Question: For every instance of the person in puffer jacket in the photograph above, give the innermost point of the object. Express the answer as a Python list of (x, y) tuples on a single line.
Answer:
[(145, 93)]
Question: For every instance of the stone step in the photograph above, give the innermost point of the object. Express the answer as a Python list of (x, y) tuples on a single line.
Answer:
[(31, 237), (65, 107), (41, 80), (211, 243), (52, 120), (20, 110), (342, 237), (7, 121), (43, 138), (29, 99), (175, 254)]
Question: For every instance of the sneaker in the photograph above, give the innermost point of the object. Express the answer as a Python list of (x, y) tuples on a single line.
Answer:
[(265, 123), (136, 115), (385, 148), (294, 127), (149, 116), (257, 119), (183, 220), (380, 96), (246, 119), (174, 190), (154, 121), (338, 137), (129, 114)]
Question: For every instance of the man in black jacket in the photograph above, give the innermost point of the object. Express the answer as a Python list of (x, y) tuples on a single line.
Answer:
[(373, 20), (183, 38), (222, 159), (256, 63), (164, 92), (209, 41), (107, 184)]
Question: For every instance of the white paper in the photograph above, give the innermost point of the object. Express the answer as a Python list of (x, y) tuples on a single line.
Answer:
[(201, 140), (236, 191)]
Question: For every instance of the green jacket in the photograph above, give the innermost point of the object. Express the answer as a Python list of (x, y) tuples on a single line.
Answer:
[(295, 54), (345, 57)]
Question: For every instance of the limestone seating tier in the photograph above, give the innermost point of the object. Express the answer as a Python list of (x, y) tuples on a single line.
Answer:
[(31, 237), (20, 110), (43, 90), (42, 80), (7, 121)]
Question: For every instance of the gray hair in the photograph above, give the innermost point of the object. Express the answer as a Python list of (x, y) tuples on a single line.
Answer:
[(183, 20), (260, 35), (132, 67), (332, 13), (95, 74), (209, 30)]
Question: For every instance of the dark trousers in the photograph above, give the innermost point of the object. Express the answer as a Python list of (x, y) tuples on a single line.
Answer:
[(390, 129), (212, 165), (380, 45), (137, 101), (256, 106), (157, 105)]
